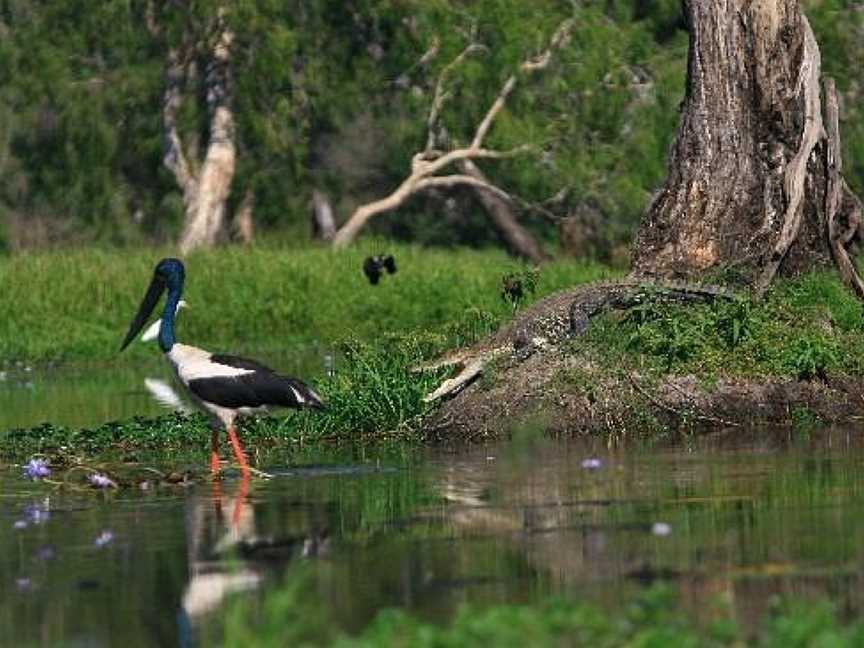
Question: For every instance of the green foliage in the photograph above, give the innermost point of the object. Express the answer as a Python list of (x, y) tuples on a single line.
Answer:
[(375, 392), (811, 356), (336, 99), (805, 329), (292, 616), (516, 286), (667, 337)]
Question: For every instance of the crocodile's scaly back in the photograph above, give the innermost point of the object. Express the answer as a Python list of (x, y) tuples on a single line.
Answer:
[(557, 317)]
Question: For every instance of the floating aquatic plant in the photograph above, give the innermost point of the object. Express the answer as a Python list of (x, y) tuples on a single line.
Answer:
[(661, 529), (36, 514), (104, 538), (37, 469), (98, 480)]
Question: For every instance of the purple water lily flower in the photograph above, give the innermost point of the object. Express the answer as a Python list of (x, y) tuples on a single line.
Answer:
[(104, 538), (102, 481), (37, 469), (19, 525), (23, 584), (592, 463)]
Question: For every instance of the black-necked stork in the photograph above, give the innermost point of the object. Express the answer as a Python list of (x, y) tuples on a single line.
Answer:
[(224, 385), (374, 265)]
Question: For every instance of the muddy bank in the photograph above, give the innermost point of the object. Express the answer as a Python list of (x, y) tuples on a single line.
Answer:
[(576, 394)]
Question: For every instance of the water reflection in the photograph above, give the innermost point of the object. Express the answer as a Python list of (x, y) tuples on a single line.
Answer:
[(745, 517), (91, 394), (228, 554), (165, 395)]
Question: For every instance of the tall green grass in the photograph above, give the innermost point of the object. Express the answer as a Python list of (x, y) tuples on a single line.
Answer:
[(76, 305)]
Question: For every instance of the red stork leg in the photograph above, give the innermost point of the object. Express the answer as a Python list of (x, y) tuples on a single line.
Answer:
[(215, 466), (238, 451), (240, 500)]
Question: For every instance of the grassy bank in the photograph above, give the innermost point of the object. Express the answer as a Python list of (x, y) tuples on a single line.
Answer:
[(806, 328), (293, 617), (273, 298), (76, 305)]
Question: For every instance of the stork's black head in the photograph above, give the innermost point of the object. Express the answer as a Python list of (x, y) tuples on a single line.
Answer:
[(171, 271), (168, 275)]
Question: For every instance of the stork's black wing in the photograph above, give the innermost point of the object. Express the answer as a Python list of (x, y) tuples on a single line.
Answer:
[(255, 389), (260, 387)]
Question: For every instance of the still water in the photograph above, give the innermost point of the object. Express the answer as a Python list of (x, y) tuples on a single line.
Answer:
[(88, 395), (742, 515)]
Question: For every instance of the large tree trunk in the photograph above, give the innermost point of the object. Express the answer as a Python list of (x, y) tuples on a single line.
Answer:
[(748, 170)]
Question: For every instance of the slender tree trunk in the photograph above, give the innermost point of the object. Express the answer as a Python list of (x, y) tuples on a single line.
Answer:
[(243, 225), (748, 177), (205, 212), (323, 223)]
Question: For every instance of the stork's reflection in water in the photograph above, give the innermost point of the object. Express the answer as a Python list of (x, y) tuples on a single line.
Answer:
[(228, 555)]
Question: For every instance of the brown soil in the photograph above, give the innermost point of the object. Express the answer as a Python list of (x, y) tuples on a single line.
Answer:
[(569, 394)]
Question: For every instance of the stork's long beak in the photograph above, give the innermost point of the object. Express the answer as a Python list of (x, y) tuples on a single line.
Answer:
[(154, 292)]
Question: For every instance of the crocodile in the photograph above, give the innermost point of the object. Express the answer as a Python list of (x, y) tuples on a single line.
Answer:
[(559, 317)]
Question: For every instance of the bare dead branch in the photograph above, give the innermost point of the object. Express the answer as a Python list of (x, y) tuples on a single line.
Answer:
[(530, 66), (431, 53), (441, 96), (559, 39), (426, 164), (323, 223), (462, 179), (497, 105), (150, 20)]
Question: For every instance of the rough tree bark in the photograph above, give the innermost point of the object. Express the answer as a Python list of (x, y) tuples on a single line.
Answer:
[(206, 184), (749, 169), (427, 163)]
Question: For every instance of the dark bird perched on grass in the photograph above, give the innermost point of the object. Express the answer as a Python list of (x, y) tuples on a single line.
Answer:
[(224, 385), (515, 285), (373, 267)]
